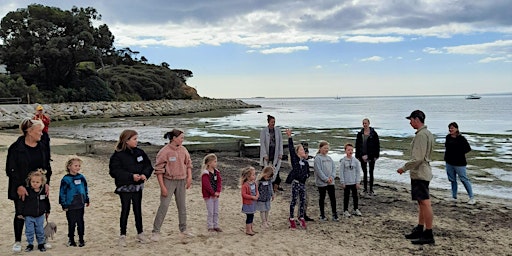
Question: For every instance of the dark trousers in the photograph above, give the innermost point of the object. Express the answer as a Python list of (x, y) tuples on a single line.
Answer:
[(332, 197), (346, 196), (18, 224), (249, 219), (127, 198), (75, 218), (364, 166)]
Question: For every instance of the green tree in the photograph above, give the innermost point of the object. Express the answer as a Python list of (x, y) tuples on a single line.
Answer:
[(44, 44)]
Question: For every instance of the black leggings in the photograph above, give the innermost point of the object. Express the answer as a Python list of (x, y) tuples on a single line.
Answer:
[(332, 197), (127, 198), (365, 174), (346, 196), (250, 218)]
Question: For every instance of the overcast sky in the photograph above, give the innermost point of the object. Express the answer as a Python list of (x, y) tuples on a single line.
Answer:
[(291, 48)]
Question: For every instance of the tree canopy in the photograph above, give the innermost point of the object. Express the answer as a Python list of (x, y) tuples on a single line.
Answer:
[(58, 52)]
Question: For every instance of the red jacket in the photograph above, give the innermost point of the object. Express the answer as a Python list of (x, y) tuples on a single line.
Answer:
[(246, 193), (206, 185)]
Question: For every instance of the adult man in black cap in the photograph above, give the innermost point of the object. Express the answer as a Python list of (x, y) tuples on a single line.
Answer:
[(421, 174)]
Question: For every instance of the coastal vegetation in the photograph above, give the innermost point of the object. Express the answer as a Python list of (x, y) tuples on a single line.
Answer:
[(53, 55)]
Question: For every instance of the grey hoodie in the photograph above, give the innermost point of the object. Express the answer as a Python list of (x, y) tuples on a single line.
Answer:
[(324, 169), (350, 171)]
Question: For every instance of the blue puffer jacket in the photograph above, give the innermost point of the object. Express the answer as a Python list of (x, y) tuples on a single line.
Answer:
[(74, 193)]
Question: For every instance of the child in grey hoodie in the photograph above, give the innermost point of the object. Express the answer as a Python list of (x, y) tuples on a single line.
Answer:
[(350, 176)]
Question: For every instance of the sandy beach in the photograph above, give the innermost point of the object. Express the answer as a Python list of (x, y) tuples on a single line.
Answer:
[(460, 229)]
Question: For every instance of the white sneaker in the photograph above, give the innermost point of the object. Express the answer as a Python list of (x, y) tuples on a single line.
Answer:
[(16, 247), (451, 199), (357, 212), (186, 234), (141, 238), (346, 214), (155, 236), (471, 201), (122, 241)]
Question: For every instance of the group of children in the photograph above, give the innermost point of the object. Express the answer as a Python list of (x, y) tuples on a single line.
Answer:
[(257, 193), (73, 197)]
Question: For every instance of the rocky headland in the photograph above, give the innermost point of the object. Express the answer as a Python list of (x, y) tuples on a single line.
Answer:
[(11, 115)]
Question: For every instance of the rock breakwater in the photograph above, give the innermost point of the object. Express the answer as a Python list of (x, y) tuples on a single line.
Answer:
[(11, 115)]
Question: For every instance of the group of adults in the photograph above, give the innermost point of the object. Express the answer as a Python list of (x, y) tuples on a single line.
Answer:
[(368, 151), (130, 167)]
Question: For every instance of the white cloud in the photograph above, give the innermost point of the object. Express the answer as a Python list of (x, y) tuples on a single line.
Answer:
[(489, 59), (374, 39), (373, 58), (432, 50), (318, 67), (284, 49), (496, 47)]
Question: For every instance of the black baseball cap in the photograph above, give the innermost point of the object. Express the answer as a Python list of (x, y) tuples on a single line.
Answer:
[(416, 114)]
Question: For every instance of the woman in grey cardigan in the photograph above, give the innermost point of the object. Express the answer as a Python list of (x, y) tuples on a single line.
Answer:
[(271, 149)]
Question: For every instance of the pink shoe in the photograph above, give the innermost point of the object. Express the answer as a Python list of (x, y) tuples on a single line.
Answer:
[(293, 226), (302, 223)]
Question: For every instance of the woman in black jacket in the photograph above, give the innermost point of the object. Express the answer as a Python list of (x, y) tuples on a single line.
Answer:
[(367, 152), (130, 167), (24, 156)]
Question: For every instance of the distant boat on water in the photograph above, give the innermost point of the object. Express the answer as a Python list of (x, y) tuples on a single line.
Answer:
[(337, 97), (473, 96)]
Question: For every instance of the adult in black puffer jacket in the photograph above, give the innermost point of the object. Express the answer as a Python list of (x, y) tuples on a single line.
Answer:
[(367, 152), (24, 156)]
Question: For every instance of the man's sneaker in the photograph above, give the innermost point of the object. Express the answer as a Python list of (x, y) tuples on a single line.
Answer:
[(217, 229), (155, 236), (71, 243), (307, 218), (426, 238), (323, 218), (471, 201), (302, 223), (357, 212), (41, 247), (335, 218), (141, 238), (81, 243), (16, 247), (186, 234), (346, 214), (293, 226), (415, 233), (372, 193), (451, 199), (122, 240), (29, 248)]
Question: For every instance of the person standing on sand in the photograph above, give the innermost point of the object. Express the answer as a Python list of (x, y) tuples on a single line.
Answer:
[(271, 150), (24, 156), (130, 167), (325, 172), (455, 157), (297, 178), (367, 152), (173, 168), (40, 115), (211, 187), (421, 174)]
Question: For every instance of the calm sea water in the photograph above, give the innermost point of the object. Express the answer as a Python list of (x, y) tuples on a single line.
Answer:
[(491, 115)]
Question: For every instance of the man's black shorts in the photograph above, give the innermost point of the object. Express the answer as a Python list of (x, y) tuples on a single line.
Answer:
[(419, 190)]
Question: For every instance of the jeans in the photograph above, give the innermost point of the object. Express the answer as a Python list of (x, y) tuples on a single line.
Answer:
[(75, 218), (452, 172), (34, 225), (346, 196)]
